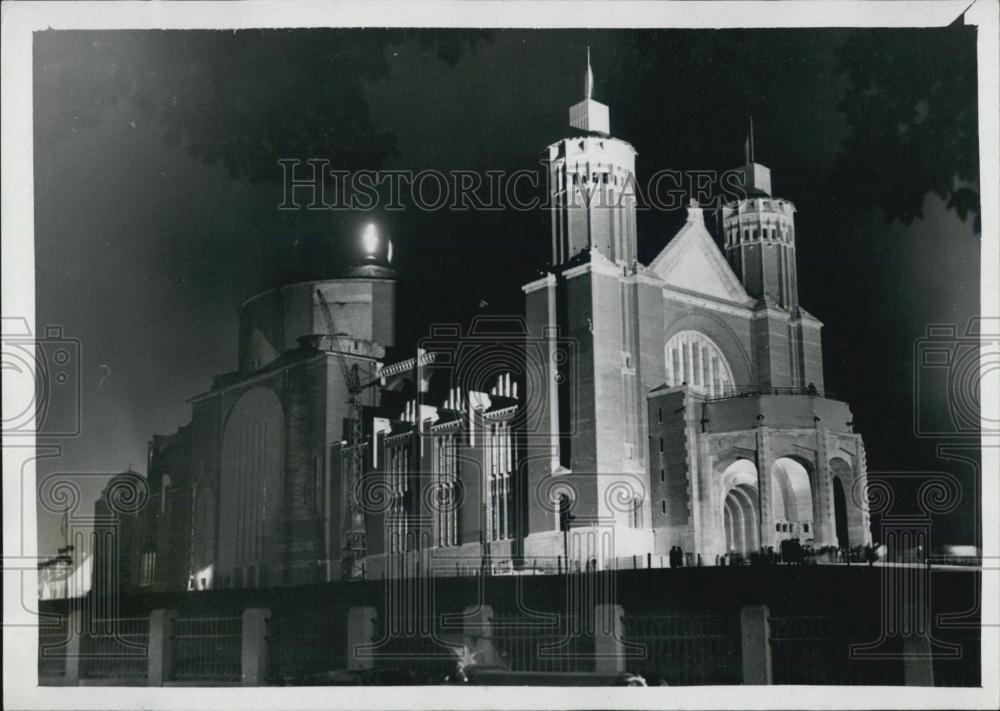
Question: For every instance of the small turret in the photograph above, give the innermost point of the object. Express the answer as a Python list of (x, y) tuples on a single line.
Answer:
[(759, 236)]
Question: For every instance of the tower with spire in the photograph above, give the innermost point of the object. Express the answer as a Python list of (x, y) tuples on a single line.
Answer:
[(759, 243), (591, 186), (759, 236), (590, 411)]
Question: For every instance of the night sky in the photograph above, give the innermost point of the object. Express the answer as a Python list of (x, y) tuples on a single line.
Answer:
[(156, 188)]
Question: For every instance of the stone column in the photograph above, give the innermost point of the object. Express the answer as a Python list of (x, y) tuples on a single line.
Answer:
[(824, 519), (702, 465), (609, 635), (755, 633), (161, 641), (253, 653), (360, 634), (763, 463), (858, 524)]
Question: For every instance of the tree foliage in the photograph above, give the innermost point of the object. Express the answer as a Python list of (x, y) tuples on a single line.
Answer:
[(912, 114), (244, 99)]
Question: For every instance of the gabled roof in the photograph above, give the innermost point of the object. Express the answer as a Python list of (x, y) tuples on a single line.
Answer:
[(692, 261)]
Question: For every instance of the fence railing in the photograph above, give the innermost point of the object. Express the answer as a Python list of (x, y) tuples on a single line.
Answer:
[(544, 643), (419, 649), (207, 648), (684, 649), (818, 650), (745, 645), (53, 637), (302, 644), (961, 669), (116, 649), (754, 391)]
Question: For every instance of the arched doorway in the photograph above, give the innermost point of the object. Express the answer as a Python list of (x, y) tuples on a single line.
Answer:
[(850, 520), (791, 501), (741, 519), (740, 507), (840, 514)]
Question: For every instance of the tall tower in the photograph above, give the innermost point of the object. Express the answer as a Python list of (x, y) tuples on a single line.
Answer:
[(589, 431), (760, 237), (592, 186)]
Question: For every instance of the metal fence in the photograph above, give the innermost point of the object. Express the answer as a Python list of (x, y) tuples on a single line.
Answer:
[(207, 649), (817, 650), (682, 649), (418, 649), (963, 669), (53, 636), (301, 644), (553, 643), (116, 649)]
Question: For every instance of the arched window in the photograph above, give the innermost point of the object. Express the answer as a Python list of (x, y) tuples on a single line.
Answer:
[(694, 358)]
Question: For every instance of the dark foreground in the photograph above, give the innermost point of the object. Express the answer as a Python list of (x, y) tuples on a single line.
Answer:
[(886, 625)]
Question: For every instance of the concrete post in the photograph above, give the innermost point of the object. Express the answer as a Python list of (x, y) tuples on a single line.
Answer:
[(75, 632), (161, 642), (360, 634), (918, 667), (609, 635), (755, 633), (253, 651)]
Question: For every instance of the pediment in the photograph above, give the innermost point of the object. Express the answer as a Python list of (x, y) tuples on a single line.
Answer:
[(692, 261)]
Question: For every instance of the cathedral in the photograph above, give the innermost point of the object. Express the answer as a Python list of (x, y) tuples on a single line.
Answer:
[(632, 411)]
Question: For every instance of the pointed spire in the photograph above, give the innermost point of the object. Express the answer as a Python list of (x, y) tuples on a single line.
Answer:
[(748, 145), (757, 177), (589, 115), (589, 84)]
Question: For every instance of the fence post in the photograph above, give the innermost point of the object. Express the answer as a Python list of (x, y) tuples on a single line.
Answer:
[(253, 650), (609, 633), (161, 646), (918, 667), (75, 632), (756, 634), (360, 633)]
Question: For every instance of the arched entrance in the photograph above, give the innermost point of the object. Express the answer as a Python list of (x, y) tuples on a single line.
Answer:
[(850, 519), (791, 501), (840, 513), (740, 507), (741, 519)]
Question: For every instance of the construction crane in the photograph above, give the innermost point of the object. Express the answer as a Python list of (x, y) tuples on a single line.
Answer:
[(354, 545)]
